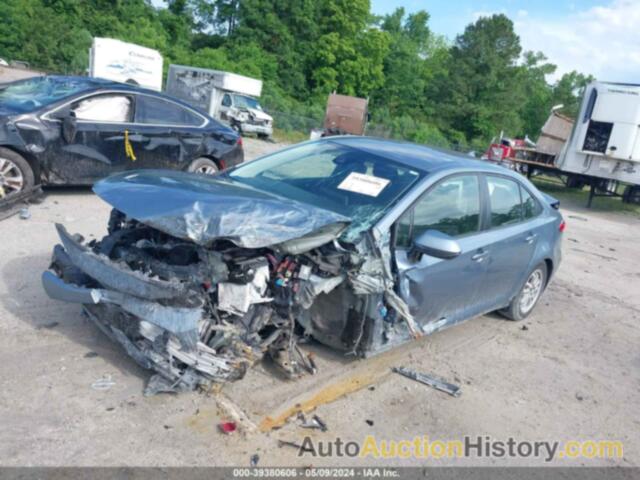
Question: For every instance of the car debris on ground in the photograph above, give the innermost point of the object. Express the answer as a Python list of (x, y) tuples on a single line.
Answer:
[(17, 203), (286, 443), (228, 427), (315, 422), (429, 380)]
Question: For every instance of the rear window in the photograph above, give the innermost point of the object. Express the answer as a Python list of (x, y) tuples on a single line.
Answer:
[(510, 202), (504, 199), (157, 111), (530, 206)]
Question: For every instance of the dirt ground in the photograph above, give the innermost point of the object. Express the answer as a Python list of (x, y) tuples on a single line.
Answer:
[(569, 372)]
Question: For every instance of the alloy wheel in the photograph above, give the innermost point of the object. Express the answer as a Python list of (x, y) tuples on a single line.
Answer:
[(207, 170), (11, 178), (531, 291)]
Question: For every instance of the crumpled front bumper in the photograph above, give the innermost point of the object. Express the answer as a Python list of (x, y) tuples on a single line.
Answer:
[(155, 321)]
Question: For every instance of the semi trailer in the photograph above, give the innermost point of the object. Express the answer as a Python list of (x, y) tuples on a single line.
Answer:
[(600, 148)]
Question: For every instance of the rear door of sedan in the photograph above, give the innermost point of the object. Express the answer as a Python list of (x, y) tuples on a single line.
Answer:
[(165, 134), (513, 231)]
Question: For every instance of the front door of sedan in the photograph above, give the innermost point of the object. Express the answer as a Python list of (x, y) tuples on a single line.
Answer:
[(512, 235), (437, 289), (165, 134), (91, 143)]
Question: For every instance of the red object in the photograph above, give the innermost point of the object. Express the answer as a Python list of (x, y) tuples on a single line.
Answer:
[(228, 427), (562, 227), (239, 142), (499, 152)]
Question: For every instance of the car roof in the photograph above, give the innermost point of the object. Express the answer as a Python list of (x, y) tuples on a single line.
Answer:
[(96, 84), (420, 157)]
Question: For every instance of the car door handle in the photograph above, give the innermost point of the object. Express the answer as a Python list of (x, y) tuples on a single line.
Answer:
[(479, 256), (530, 238)]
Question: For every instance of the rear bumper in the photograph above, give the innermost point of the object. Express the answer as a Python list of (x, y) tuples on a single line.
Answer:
[(234, 157)]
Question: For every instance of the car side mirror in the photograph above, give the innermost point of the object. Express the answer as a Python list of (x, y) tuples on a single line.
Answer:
[(69, 127), (437, 244)]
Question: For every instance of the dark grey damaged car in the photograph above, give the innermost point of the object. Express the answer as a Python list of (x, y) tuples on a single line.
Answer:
[(360, 243), (57, 130)]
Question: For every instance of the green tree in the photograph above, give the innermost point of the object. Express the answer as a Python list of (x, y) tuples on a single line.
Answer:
[(349, 53), (568, 92), (538, 93), (483, 94)]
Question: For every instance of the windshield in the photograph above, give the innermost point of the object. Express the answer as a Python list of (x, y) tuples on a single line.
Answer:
[(33, 93), (241, 101), (351, 182)]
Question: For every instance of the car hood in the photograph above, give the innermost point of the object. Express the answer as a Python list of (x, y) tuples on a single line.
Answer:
[(204, 209), (259, 114)]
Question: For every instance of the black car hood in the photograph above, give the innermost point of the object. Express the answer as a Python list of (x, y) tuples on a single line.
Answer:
[(203, 209)]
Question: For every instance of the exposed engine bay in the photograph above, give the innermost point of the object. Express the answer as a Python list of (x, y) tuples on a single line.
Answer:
[(198, 314)]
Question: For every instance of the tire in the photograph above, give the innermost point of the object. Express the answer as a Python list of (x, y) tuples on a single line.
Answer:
[(204, 166), (16, 174), (237, 127), (526, 299), (263, 136)]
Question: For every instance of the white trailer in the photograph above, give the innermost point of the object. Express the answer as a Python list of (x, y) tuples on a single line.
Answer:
[(125, 62), (226, 96), (605, 141), (600, 148)]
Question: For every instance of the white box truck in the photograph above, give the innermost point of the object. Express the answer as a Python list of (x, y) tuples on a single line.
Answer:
[(125, 62), (226, 96)]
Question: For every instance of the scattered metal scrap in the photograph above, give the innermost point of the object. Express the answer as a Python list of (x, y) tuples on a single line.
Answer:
[(16, 202), (286, 443), (432, 381), (315, 422)]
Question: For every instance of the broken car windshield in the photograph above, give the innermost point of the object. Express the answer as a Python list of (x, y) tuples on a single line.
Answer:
[(351, 182), (31, 94)]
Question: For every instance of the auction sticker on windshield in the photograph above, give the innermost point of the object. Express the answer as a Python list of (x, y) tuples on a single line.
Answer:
[(364, 184)]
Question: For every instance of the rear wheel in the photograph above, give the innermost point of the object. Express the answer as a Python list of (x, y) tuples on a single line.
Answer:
[(204, 166), (15, 173), (237, 127), (522, 304)]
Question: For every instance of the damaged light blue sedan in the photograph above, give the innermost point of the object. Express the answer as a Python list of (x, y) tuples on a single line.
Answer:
[(360, 243)]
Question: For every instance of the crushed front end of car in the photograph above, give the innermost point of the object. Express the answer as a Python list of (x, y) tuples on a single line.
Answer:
[(198, 279)]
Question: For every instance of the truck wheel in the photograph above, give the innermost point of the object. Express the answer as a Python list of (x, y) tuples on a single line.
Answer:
[(204, 166), (15, 173), (522, 304), (237, 127)]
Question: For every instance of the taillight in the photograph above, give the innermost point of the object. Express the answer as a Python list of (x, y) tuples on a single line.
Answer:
[(239, 142), (562, 226)]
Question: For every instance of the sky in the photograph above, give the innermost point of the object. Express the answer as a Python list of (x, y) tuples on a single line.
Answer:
[(598, 37)]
